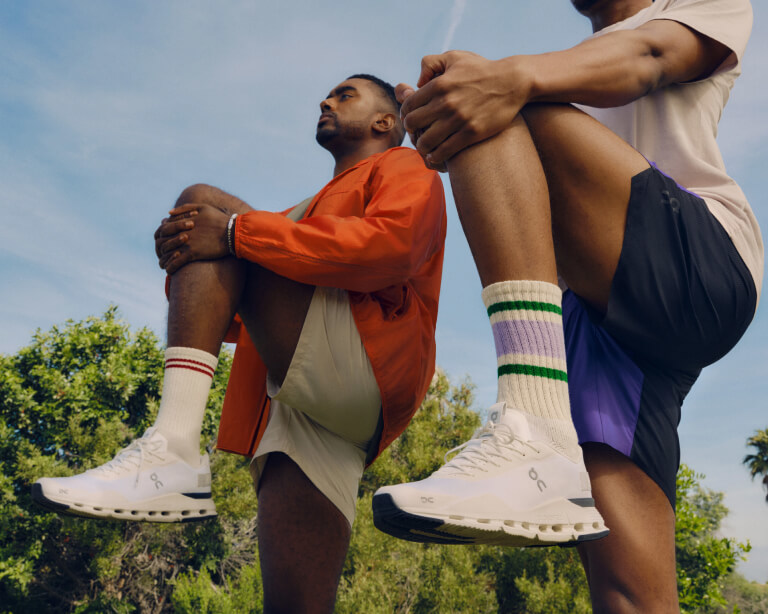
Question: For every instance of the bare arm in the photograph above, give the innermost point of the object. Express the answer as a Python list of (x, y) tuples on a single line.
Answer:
[(619, 67), (465, 98)]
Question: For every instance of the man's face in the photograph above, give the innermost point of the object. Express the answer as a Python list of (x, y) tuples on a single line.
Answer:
[(347, 112)]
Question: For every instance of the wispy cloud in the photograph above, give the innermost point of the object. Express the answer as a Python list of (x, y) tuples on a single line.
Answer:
[(457, 12)]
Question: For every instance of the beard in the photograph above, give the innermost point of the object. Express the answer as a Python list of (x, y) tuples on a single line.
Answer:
[(333, 131), (584, 6), (325, 134)]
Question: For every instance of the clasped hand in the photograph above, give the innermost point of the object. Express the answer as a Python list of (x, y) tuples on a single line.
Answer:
[(463, 99), (195, 230)]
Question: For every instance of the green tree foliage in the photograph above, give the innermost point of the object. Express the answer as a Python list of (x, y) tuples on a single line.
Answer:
[(78, 392), (757, 463), (704, 560), (68, 401), (385, 575), (743, 596)]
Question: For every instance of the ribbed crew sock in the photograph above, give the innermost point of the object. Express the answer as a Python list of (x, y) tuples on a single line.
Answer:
[(527, 322), (188, 377)]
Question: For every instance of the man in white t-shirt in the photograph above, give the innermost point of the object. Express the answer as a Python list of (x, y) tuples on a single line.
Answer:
[(625, 201)]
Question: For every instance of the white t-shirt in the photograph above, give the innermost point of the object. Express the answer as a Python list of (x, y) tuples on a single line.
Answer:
[(676, 126)]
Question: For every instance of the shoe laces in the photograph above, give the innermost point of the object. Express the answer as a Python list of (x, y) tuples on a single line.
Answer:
[(491, 445), (132, 457)]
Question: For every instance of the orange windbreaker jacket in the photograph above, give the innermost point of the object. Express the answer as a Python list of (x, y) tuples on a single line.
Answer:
[(378, 231)]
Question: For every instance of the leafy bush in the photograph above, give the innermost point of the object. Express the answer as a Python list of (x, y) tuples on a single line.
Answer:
[(68, 401)]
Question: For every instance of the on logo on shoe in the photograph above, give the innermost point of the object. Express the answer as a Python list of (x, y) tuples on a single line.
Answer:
[(156, 480), (535, 477)]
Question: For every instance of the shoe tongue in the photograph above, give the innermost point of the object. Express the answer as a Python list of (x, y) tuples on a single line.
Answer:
[(152, 434), (516, 420)]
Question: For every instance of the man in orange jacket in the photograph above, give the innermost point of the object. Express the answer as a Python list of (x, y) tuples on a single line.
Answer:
[(333, 306)]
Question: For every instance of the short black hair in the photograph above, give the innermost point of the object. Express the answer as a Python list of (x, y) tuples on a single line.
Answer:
[(389, 93), (385, 88)]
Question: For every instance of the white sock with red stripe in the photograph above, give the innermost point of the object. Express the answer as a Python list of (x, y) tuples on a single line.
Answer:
[(188, 377)]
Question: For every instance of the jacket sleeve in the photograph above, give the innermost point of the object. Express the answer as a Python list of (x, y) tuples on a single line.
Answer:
[(399, 231)]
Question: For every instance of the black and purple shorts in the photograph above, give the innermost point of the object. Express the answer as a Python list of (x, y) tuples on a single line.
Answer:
[(681, 298)]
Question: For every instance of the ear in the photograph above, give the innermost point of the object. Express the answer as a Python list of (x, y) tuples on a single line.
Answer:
[(383, 123)]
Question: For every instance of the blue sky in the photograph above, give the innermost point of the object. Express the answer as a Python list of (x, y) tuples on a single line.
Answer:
[(108, 110)]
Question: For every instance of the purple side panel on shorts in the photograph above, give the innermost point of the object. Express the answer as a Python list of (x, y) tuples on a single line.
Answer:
[(528, 337), (604, 383), (653, 164)]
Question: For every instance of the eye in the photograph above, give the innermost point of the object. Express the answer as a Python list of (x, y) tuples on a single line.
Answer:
[(344, 96)]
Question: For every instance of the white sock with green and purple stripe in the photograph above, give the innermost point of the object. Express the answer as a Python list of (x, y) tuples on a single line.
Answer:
[(527, 322)]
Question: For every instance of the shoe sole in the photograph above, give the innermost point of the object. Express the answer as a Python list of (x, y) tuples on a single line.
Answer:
[(393, 520), (178, 507)]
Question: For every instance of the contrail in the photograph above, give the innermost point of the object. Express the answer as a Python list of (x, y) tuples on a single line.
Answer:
[(457, 11)]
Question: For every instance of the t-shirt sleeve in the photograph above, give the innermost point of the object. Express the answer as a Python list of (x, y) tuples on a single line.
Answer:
[(399, 231), (727, 21)]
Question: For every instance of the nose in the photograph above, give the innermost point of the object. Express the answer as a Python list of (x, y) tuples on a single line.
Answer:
[(325, 105)]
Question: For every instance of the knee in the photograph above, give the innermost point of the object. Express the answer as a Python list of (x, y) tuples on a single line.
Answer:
[(537, 112), (196, 193), (611, 598), (623, 584)]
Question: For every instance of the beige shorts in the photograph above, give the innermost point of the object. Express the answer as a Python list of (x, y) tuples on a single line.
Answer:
[(328, 408)]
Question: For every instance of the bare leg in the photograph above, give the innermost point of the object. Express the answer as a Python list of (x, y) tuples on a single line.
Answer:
[(502, 193), (505, 209), (303, 538), (502, 200), (633, 569), (589, 171), (205, 295), (173, 484), (203, 299), (503, 188), (303, 541)]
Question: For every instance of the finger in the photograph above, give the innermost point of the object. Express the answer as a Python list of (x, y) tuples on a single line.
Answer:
[(425, 106), (403, 91), (434, 135), (414, 138), (171, 267), (173, 228), (420, 118), (173, 243), (178, 261), (157, 232), (166, 258), (431, 67), (188, 209), (450, 147), (416, 100), (440, 168)]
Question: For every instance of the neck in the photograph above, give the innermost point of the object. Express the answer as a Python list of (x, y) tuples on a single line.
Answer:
[(609, 12), (346, 159)]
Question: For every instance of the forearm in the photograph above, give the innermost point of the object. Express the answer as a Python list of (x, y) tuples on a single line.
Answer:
[(608, 71), (359, 254), (361, 240)]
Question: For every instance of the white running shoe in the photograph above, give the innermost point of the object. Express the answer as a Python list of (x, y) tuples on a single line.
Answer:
[(143, 482), (505, 487)]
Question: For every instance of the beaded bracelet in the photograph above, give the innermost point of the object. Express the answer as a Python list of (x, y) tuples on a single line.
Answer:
[(230, 228)]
